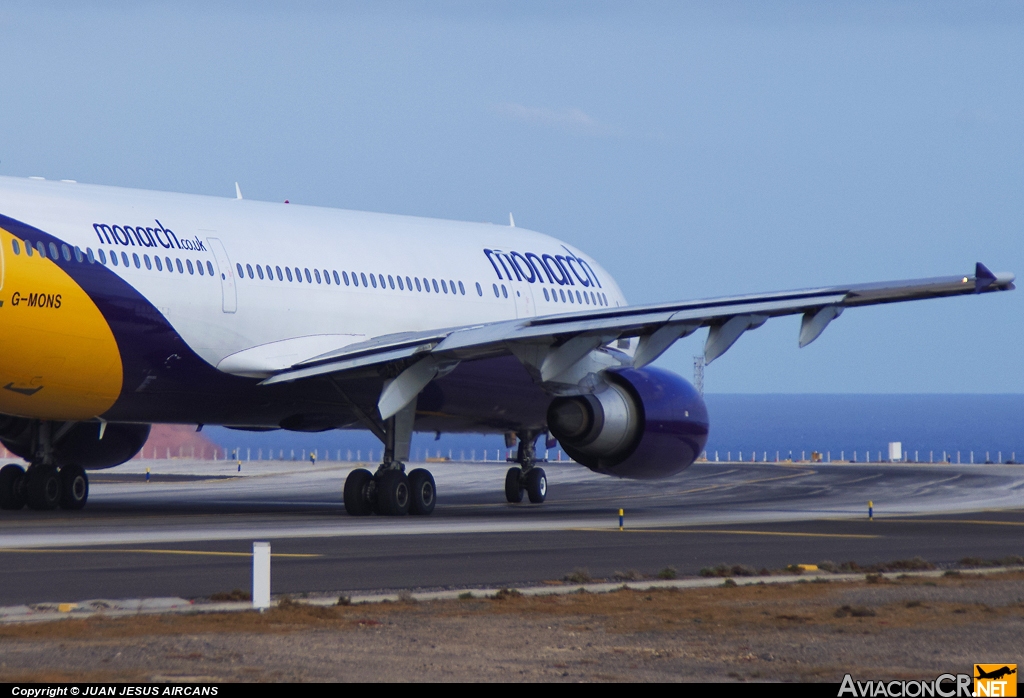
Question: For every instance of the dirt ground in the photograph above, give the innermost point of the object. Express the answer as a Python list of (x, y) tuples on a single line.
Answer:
[(905, 628)]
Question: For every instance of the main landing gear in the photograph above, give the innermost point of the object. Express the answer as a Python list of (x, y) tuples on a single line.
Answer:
[(528, 478), (389, 491), (43, 486)]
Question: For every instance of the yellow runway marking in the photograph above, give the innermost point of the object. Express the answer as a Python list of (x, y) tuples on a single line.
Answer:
[(736, 532), (956, 521), (148, 551)]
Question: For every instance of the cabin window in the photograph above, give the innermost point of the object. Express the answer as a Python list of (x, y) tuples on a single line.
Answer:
[(138, 262), (363, 277), (248, 268), (495, 287), (170, 267), (113, 258), (316, 273), (41, 248), (562, 294), (546, 295), (259, 271), (401, 285), (149, 264), (103, 257), (78, 254), (188, 264), (373, 280), (309, 279), (344, 275), (241, 272), (337, 281), (462, 289), (65, 252), (15, 246), (504, 291), (89, 255), (159, 266), (408, 283), (327, 277), (53, 252), (391, 282), (177, 263), (435, 286), (199, 266), (288, 271), (479, 291), (418, 285), (444, 286)]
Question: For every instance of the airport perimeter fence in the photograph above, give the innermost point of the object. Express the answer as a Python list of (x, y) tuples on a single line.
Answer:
[(948, 457), (507, 455), (314, 455)]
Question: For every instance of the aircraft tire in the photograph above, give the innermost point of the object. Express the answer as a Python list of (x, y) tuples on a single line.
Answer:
[(536, 485), (42, 488), (12, 494), (357, 499), (74, 487), (423, 491), (514, 485), (393, 493)]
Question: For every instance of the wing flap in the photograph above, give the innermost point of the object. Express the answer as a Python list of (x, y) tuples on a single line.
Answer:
[(727, 317)]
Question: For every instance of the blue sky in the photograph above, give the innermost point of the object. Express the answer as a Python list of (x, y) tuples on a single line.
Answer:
[(695, 149)]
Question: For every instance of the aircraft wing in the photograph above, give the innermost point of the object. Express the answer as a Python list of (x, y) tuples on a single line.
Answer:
[(553, 343)]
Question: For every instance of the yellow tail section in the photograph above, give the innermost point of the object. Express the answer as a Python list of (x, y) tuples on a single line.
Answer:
[(58, 356)]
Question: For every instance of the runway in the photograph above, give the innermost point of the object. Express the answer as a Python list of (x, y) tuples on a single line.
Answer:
[(187, 532)]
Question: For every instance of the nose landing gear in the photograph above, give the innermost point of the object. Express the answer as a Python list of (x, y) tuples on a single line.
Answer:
[(43, 487)]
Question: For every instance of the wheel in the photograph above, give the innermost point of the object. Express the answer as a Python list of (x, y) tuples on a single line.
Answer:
[(423, 491), (536, 485), (514, 485), (12, 495), (357, 494), (42, 488), (393, 495), (74, 487)]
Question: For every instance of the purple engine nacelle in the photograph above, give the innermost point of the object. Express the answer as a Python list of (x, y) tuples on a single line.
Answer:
[(647, 424)]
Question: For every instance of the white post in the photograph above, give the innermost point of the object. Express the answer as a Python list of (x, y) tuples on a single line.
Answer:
[(261, 575)]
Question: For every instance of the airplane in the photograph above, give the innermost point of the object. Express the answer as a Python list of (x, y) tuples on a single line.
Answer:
[(121, 308), (995, 673)]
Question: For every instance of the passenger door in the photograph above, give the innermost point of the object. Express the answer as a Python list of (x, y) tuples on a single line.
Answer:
[(227, 275)]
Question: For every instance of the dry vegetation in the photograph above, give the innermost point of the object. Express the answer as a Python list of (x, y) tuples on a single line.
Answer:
[(904, 628)]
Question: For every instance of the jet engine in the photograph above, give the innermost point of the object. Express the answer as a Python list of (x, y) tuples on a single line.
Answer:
[(646, 424), (81, 444)]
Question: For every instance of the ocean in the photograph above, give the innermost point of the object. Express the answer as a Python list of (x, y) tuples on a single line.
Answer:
[(990, 426)]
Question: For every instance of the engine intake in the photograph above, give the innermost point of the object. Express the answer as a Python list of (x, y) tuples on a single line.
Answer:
[(647, 424)]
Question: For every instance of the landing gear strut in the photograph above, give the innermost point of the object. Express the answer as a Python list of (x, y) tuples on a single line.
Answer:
[(528, 478), (43, 486), (389, 491)]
